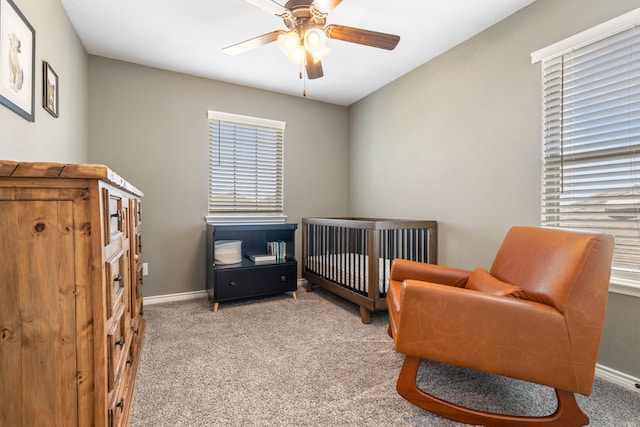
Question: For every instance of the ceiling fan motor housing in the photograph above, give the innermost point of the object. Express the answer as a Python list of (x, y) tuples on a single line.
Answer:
[(303, 12)]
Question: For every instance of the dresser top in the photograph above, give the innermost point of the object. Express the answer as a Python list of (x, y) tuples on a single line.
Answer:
[(9, 168)]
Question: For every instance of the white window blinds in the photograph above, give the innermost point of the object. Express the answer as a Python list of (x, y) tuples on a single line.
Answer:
[(245, 164), (591, 153)]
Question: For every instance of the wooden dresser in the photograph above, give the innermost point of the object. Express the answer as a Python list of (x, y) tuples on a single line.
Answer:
[(71, 325)]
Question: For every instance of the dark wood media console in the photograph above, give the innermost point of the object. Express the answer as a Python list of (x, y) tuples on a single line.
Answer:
[(247, 278)]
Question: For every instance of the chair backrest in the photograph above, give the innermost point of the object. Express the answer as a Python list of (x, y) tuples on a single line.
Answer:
[(569, 271), (554, 266)]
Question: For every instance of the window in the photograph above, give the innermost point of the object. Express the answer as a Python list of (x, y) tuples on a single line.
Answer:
[(591, 129), (245, 168)]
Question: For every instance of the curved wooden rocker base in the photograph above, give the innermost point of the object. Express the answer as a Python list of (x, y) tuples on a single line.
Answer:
[(568, 413)]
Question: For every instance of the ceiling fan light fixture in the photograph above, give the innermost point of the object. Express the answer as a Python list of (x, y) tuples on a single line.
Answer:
[(323, 6), (298, 55), (315, 40), (304, 41), (288, 42), (296, 47), (317, 57)]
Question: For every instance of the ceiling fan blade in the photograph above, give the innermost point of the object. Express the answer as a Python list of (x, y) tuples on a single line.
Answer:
[(365, 37), (314, 69), (326, 5), (253, 43), (270, 6)]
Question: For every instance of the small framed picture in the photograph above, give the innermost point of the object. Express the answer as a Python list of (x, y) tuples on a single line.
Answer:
[(17, 60), (49, 89)]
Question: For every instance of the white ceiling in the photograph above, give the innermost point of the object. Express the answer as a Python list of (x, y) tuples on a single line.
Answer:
[(188, 36)]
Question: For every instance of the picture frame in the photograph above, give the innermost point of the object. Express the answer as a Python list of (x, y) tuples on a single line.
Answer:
[(49, 89), (17, 61)]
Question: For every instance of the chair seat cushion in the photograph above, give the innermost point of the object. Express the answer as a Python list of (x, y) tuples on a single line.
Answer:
[(481, 280)]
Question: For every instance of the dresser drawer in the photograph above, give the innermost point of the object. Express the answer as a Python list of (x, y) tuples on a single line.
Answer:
[(137, 247), (137, 213), (118, 339), (115, 271), (136, 292), (114, 215), (117, 406), (254, 281), (137, 331)]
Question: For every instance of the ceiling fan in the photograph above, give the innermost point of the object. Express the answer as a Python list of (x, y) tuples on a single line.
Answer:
[(304, 40)]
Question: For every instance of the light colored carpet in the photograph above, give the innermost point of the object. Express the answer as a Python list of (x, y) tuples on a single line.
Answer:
[(278, 362)]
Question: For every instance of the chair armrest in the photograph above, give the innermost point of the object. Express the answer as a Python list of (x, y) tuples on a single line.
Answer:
[(497, 334), (403, 269)]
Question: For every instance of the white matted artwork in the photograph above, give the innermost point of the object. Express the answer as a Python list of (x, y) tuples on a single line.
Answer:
[(17, 60)]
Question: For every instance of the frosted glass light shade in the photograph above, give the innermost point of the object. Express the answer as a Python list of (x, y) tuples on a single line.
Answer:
[(314, 40), (288, 42)]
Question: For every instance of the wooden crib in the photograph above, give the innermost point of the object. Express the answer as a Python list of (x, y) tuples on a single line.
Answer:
[(352, 257)]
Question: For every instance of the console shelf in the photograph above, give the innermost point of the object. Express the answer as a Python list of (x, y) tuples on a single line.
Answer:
[(248, 279)]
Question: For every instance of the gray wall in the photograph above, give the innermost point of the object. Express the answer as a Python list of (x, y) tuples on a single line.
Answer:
[(151, 127), (458, 140), (62, 139)]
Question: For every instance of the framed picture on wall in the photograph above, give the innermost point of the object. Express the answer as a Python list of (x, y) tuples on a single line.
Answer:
[(17, 60), (49, 89)]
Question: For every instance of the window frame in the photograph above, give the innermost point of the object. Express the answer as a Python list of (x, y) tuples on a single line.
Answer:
[(628, 284), (269, 139)]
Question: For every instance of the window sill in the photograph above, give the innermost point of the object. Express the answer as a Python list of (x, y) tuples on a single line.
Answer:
[(245, 219), (624, 287)]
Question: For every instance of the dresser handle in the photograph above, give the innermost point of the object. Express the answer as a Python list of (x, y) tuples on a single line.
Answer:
[(117, 215), (120, 404), (120, 342), (232, 283), (130, 361), (119, 278), (283, 278)]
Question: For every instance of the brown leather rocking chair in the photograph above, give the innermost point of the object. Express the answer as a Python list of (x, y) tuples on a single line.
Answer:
[(536, 316)]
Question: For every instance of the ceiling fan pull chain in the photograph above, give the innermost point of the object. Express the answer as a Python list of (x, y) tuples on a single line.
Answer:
[(304, 81)]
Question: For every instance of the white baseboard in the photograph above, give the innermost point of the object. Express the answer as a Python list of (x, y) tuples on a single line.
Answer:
[(182, 296), (617, 377)]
